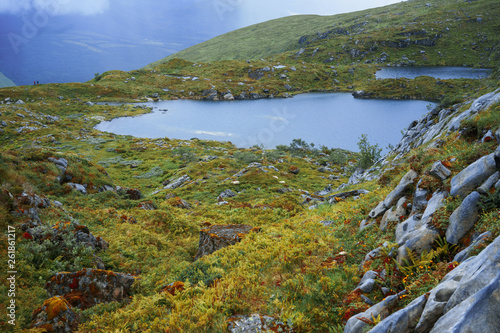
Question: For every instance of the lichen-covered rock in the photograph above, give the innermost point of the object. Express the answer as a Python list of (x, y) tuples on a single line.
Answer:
[(98, 286), (256, 323), (463, 218), (55, 315), (216, 237), (62, 231)]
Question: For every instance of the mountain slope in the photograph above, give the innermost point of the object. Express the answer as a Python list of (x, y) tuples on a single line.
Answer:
[(5, 81), (443, 24)]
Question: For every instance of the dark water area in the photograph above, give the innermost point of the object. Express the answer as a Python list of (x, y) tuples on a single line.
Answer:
[(335, 120), (443, 73)]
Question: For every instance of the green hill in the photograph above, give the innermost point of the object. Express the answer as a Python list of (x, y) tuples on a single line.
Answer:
[(5, 81), (443, 24)]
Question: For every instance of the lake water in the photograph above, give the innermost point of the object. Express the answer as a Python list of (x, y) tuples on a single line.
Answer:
[(443, 73), (335, 120)]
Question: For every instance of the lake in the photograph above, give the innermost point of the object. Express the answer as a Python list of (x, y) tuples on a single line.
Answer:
[(443, 73), (335, 120)]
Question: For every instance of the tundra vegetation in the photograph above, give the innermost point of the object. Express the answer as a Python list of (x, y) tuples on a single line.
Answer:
[(131, 209)]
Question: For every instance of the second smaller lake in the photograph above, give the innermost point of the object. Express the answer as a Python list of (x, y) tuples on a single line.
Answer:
[(443, 73)]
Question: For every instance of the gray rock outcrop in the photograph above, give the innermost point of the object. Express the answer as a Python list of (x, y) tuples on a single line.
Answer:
[(473, 176), (463, 218)]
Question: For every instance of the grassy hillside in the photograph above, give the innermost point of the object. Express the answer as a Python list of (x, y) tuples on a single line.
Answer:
[(454, 27), (5, 81)]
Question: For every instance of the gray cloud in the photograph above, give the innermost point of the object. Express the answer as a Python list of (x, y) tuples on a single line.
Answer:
[(55, 7)]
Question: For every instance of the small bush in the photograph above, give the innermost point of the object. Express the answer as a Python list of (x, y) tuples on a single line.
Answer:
[(369, 154)]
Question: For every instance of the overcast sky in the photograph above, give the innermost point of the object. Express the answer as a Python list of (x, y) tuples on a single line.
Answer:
[(247, 11)]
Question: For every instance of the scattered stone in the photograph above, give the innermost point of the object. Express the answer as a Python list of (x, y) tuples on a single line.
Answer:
[(227, 194), (229, 97), (293, 169), (439, 171), (256, 323), (177, 183), (130, 193), (80, 188), (216, 237), (367, 282)]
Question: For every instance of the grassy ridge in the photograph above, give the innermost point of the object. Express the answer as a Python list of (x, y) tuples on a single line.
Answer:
[(470, 25)]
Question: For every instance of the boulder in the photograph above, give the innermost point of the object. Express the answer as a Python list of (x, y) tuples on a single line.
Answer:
[(229, 97), (367, 282), (436, 302), (479, 311), (355, 325), (473, 176), (216, 237), (420, 240), (467, 294), (97, 286), (394, 214), (463, 218), (403, 320), (489, 183), (439, 171), (55, 315), (419, 200), (395, 195), (398, 192)]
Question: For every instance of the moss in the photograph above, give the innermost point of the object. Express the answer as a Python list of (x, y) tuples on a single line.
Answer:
[(55, 306)]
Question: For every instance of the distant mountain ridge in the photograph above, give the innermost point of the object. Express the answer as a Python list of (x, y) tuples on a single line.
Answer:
[(454, 28), (5, 81)]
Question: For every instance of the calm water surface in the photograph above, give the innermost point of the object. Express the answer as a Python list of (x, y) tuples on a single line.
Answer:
[(333, 120), (443, 73)]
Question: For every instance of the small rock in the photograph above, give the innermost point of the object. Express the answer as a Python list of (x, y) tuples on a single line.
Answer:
[(439, 171), (216, 237)]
